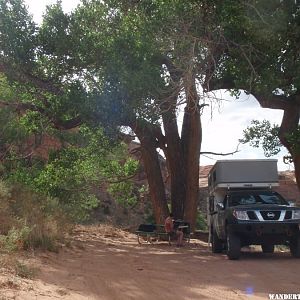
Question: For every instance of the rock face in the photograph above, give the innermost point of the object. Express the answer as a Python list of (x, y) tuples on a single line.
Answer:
[(203, 187), (42, 147), (287, 187)]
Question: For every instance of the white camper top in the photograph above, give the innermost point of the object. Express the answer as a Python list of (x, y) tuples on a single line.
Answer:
[(243, 173)]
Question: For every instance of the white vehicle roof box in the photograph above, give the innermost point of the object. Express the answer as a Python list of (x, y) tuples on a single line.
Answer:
[(243, 173)]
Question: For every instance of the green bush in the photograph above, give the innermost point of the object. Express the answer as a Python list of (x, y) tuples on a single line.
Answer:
[(201, 223)]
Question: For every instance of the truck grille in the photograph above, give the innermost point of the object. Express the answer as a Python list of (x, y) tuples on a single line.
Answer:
[(251, 215), (270, 215), (288, 215)]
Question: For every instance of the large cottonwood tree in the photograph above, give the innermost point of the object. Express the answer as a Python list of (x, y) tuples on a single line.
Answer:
[(123, 64), (137, 63)]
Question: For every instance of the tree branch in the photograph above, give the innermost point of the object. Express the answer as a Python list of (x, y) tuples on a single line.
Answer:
[(121, 179), (57, 123), (26, 78), (273, 101), (266, 101), (223, 154)]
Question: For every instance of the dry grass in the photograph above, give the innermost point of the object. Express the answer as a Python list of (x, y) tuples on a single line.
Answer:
[(16, 266), (100, 231), (28, 220)]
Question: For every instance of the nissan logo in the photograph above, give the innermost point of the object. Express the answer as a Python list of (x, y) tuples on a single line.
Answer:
[(270, 215)]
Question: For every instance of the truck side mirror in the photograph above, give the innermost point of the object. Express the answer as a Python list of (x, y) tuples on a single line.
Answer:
[(220, 206), (291, 203)]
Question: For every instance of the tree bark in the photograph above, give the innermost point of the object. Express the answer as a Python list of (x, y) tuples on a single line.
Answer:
[(191, 138), (150, 158), (296, 160), (289, 124), (174, 156), (173, 150)]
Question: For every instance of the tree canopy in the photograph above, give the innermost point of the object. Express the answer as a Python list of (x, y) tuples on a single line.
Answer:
[(266, 64), (136, 63), (71, 168)]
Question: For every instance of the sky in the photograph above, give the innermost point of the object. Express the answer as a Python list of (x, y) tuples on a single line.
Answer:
[(223, 124), (37, 7), (223, 121)]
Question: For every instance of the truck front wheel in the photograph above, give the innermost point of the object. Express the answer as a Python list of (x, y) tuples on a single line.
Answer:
[(216, 243), (295, 247), (233, 246)]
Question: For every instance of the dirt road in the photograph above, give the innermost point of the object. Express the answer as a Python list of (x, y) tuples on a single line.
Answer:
[(102, 264)]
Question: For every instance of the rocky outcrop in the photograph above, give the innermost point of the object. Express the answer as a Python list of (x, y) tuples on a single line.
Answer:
[(288, 187)]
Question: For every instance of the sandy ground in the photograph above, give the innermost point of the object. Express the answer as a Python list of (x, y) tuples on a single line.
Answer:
[(102, 263)]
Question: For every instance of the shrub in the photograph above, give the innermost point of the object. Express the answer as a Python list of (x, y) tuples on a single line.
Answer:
[(15, 239), (24, 271), (201, 223), (12, 264), (29, 220)]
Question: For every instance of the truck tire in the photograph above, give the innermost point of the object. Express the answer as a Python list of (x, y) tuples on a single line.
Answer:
[(233, 246), (267, 248), (295, 247), (216, 243)]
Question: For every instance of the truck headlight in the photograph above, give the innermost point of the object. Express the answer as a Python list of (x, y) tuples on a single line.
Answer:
[(241, 215), (296, 214)]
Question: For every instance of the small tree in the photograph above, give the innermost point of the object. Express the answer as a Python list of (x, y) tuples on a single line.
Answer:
[(264, 134)]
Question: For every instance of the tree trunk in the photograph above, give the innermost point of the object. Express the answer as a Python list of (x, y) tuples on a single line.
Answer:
[(289, 124), (174, 156), (296, 160), (191, 139), (152, 168)]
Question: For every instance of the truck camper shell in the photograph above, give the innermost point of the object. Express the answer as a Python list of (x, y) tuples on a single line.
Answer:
[(243, 173)]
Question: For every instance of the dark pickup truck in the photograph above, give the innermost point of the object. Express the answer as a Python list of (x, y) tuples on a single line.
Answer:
[(253, 217)]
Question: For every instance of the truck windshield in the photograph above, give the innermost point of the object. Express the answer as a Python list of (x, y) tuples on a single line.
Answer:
[(256, 197)]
